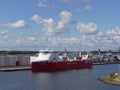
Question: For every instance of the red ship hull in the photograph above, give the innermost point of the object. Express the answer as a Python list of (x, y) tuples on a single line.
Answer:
[(54, 66)]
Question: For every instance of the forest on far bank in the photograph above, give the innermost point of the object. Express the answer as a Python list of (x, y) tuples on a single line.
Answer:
[(2, 52), (11, 52)]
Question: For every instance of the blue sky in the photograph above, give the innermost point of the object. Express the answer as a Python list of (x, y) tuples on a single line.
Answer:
[(59, 24)]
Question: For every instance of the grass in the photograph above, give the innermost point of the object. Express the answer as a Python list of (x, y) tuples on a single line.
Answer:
[(113, 78)]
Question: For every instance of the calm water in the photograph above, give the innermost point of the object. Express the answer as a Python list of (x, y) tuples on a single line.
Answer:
[(82, 79)]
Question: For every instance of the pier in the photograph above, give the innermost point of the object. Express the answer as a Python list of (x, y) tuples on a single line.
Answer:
[(16, 68)]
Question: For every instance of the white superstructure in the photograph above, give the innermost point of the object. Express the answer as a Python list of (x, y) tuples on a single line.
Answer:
[(47, 55)]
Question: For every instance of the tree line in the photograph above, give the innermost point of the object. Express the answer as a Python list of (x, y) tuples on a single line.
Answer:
[(17, 52)]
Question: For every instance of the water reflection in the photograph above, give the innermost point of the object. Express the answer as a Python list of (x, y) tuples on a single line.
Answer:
[(80, 79)]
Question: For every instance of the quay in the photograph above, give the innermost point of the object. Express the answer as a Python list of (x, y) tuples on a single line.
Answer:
[(104, 63), (14, 68)]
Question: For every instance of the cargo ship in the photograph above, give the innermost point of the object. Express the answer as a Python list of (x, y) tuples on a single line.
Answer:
[(49, 60)]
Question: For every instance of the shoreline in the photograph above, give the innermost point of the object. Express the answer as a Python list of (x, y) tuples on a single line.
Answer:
[(113, 78), (113, 83)]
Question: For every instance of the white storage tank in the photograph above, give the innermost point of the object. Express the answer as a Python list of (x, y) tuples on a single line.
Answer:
[(1, 61), (26, 60), (6, 60), (13, 60), (23, 60), (20, 60)]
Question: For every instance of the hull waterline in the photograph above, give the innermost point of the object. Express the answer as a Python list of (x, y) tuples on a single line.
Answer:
[(54, 66)]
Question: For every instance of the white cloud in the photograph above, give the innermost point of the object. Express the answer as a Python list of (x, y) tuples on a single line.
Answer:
[(117, 39), (37, 19), (100, 34), (42, 3), (111, 32), (6, 37), (53, 28), (26, 41), (59, 43), (49, 27), (4, 32), (90, 28), (32, 38), (73, 1), (18, 24), (91, 37), (114, 36), (45, 4), (106, 41), (88, 41), (115, 31), (65, 17), (86, 8)]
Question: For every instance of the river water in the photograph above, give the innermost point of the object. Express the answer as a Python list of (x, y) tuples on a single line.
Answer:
[(80, 79)]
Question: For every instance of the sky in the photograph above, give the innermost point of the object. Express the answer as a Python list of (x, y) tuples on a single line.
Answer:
[(59, 24)]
